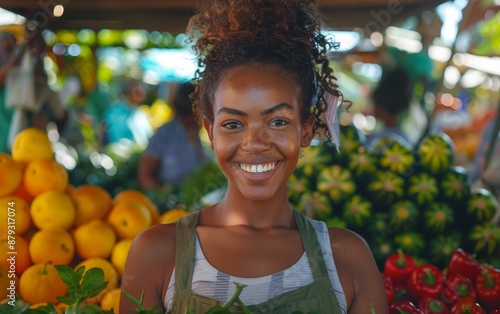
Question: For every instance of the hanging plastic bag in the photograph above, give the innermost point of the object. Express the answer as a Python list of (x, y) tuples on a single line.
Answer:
[(20, 86)]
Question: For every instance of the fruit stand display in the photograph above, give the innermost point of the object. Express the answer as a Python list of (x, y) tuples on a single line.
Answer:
[(413, 207), (398, 198), (48, 223)]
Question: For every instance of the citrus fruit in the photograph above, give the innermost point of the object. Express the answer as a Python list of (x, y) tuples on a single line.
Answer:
[(14, 253), (11, 174), (111, 300), (110, 275), (172, 215), (95, 238), (5, 281), (15, 215), (43, 175), (31, 143), (53, 209), (119, 254), (52, 245), (41, 283), (129, 218), (138, 196), (23, 193), (91, 202)]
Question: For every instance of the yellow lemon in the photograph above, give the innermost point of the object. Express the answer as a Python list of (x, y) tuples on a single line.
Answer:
[(42, 175), (40, 283), (30, 144), (15, 216), (91, 202), (129, 218), (138, 196), (53, 209), (20, 246), (119, 254), (111, 300), (11, 174), (172, 215), (95, 238), (52, 245)]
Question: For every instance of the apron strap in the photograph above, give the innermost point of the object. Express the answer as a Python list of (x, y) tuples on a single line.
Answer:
[(184, 251), (311, 246)]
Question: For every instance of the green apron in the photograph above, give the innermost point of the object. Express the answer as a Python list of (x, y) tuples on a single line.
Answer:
[(317, 296)]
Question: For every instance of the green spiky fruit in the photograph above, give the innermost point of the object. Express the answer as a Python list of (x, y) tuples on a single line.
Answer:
[(411, 243), (481, 206), (403, 216), (337, 182), (385, 188), (484, 240), (357, 212), (455, 187), (438, 218), (422, 188), (397, 158), (436, 153)]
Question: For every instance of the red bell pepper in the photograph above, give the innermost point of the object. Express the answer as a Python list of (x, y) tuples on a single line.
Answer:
[(389, 288), (403, 307), (487, 285), (467, 306), (497, 311), (463, 263), (400, 293), (458, 286), (425, 280), (399, 266), (430, 305)]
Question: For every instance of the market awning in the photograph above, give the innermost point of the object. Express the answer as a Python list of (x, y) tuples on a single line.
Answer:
[(172, 15)]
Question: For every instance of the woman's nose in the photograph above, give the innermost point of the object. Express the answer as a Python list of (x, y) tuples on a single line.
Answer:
[(256, 138)]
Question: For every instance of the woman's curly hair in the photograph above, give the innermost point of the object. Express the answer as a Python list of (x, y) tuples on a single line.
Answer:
[(285, 33)]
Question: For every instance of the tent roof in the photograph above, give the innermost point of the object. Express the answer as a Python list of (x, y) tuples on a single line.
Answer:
[(173, 15)]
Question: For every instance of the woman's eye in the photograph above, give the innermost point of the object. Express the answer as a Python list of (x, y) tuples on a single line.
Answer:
[(279, 122), (231, 125)]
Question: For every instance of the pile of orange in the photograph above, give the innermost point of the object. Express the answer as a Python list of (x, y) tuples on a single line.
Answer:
[(56, 223)]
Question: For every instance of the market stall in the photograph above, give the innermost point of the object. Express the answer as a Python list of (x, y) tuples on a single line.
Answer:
[(418, 208)]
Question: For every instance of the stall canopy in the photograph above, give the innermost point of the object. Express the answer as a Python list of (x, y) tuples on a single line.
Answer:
[(173, 15)]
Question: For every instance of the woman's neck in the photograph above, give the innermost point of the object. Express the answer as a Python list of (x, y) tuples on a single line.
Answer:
[(234, 210)]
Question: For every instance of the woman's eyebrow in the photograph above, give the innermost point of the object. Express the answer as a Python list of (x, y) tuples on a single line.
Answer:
[(263, 112), (276, 108), (232, 111)]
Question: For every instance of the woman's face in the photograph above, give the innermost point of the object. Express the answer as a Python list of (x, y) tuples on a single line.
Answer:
[(257, 131)]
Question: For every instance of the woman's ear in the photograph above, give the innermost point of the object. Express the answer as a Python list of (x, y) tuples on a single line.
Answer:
[(307, 132), (208, 125)]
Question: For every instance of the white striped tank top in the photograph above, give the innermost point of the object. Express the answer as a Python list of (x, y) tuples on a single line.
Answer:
[(212, 283)]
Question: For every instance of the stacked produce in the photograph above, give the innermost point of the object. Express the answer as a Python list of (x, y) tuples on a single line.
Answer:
[(464, 286), (46, 222), (416, 199)]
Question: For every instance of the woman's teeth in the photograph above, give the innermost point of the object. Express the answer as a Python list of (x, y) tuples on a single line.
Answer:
[(258, 168)]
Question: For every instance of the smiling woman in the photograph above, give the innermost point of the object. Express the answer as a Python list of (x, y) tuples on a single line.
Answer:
[(260, 94)]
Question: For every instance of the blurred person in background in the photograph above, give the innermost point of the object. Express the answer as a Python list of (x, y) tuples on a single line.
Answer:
[(124, 120), (8, 45), (48, 106), (175, 150), (391, 100)]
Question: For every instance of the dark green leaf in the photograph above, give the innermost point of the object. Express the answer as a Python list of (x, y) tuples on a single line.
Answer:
[(92, 279), (92, 292), (66, 300), (67, 274), (79, 273), (90, 309)]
